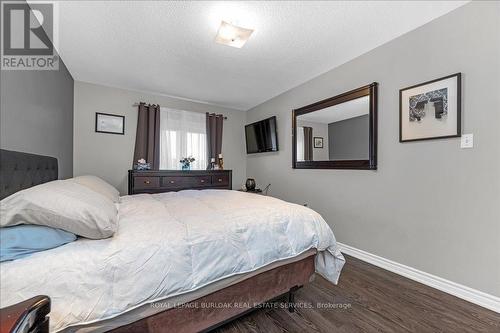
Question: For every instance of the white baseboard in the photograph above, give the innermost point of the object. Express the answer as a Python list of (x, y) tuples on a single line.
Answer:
[(474, 296)]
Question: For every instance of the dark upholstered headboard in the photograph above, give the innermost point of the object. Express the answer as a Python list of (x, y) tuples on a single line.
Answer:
[(19, 171)]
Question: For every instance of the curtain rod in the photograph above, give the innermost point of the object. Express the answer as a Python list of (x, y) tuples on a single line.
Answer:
[(137, 104)]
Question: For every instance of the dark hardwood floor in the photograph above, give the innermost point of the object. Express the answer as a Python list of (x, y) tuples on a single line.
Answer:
[(369, 299)]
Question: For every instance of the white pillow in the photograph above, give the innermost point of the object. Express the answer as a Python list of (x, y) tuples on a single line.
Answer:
[(61, 204), (100, 186)]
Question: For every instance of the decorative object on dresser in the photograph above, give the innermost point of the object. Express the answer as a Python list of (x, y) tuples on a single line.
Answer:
[(186, 162), (219, 165), (221, 162), (431, 110), (109, 123), (157, 181), (142, 165), (212, 164)]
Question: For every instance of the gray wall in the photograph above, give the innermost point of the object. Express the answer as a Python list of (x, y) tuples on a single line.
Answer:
[(430, 205), (109, 156), (36, 114), (349, 139)]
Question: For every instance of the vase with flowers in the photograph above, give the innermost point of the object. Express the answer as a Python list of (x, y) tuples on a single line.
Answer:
[(186, 162)]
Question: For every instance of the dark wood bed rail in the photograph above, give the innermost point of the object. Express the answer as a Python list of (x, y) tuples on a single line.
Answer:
[(28, 316), (252, 293)]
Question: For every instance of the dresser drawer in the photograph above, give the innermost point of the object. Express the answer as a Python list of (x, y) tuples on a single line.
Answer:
[(220, 180), (173, 181), (141, 183), (185, 181), (200, 180)]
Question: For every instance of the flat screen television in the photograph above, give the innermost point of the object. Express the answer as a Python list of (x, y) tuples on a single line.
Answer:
[(261, 136)]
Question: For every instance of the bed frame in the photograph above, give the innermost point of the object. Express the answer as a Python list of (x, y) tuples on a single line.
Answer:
[(21, 170)]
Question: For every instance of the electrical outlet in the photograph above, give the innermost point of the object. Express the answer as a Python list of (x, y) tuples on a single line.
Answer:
[(467, 141)]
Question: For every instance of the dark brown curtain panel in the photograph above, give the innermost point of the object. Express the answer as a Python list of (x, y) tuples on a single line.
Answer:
[(308, 143), (214, 136), (147, 138)]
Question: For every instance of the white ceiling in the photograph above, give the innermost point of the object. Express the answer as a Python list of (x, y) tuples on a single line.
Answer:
[(168, 47), (354, 108)]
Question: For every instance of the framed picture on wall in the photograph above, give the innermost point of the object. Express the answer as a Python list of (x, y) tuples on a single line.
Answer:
[(318, 142), (431, 110), (109, 123)]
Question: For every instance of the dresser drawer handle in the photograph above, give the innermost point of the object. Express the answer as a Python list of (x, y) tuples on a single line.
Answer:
[(220, 180), (147, 182), (172, 181), (202, 180)]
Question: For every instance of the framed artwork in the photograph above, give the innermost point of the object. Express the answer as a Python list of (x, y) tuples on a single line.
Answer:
[(318, 142), (109, 123), (431, 110)]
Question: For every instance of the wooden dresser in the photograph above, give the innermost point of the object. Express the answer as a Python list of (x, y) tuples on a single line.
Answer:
[(151, 181)]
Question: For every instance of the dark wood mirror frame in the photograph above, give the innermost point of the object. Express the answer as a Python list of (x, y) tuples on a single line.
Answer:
[(369, 164)]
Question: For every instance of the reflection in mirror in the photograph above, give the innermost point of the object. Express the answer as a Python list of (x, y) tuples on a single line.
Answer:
[(338, 132)]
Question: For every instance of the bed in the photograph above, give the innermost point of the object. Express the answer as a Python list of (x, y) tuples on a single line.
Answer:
[(180, 262)]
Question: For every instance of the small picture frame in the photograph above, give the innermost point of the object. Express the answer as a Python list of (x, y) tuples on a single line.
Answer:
[(431, 110), (318, 142), (109, 123)]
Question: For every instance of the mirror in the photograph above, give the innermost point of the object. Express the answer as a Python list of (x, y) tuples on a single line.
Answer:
[(337, 133)]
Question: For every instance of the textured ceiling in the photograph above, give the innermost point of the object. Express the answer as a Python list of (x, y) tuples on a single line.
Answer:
[(168, 47)]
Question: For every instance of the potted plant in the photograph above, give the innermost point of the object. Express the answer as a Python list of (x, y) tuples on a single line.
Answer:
[(186, 162)]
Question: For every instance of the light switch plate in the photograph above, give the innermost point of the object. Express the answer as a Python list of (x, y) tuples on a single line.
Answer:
[(467, 141)]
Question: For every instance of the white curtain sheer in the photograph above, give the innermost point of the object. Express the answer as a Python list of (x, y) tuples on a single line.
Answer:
[(300, 143), (182, 134)]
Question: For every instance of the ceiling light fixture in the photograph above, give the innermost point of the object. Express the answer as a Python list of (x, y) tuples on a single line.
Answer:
[(232, 35)]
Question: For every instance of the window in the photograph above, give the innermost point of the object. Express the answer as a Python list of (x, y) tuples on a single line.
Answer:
[(300, 143), (182, 134)]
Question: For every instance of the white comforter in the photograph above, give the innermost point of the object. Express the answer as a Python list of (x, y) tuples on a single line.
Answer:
[(168, 244)]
